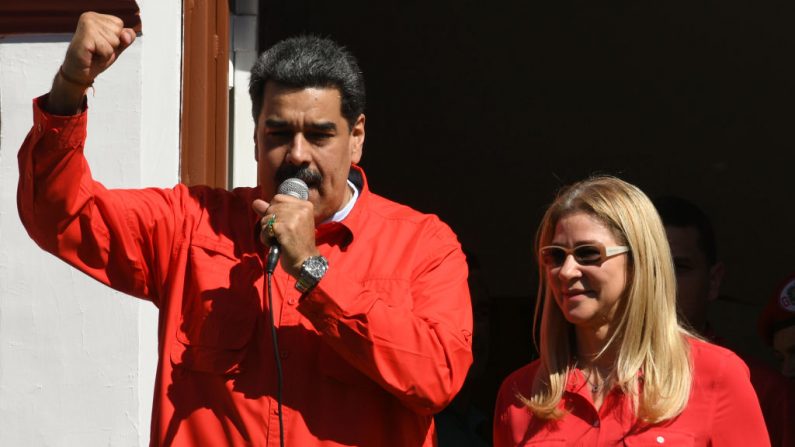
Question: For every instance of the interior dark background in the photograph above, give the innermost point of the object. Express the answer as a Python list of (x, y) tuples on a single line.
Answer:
[(480, 112)]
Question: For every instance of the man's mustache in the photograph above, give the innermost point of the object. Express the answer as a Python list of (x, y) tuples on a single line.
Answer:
[(312, 178)]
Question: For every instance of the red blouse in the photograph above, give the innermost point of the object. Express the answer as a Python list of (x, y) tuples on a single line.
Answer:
[(722, 411)]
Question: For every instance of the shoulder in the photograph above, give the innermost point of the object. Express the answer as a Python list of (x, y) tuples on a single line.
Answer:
[(217, 211), (208, 199), (719, 373), (396, 214), (715, 361), (514, 423), (518, 382)]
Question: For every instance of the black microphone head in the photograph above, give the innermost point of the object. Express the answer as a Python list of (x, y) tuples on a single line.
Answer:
[(294, 187)]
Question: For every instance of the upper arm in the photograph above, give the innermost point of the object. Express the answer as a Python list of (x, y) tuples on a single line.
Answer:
[(737, 419)]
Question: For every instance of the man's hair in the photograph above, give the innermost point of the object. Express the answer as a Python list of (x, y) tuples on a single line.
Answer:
[(647, 336), (681, 213), (310, 61)]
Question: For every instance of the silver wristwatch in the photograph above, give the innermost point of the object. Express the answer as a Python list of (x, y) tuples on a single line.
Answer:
[(312, 271)]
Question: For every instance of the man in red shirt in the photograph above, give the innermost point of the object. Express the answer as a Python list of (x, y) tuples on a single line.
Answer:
[(698, 278), (369, 302)]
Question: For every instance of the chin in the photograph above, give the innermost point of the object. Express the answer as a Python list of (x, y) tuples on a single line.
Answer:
[(578, 316)]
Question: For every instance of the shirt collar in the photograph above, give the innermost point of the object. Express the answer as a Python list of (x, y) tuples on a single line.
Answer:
[(340, 215), (342, 231)]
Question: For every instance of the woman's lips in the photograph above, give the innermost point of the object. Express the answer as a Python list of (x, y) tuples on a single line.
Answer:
[(569, 294)]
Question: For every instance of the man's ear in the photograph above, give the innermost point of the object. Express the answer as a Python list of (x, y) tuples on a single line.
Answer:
[(716, 273), (357, 139), (256, 148)]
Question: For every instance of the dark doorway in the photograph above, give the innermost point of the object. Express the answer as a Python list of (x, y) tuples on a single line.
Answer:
[(480, 112)]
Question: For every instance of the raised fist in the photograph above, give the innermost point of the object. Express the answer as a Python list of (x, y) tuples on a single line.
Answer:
[(96, 44)]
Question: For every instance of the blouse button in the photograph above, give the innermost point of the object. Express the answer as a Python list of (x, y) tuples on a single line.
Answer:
[(596, 423), (660, 440)]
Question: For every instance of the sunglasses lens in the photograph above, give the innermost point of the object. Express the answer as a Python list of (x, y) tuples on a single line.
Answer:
[(553, 256), (588, 254)]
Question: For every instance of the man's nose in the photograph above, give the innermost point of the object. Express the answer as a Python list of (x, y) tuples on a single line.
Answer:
[(298, 154)]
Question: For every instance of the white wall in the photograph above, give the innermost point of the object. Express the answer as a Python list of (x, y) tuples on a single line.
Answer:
[(77, 359), (243, 56)]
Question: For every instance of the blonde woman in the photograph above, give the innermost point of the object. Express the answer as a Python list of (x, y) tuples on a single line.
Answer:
[(615, 366)]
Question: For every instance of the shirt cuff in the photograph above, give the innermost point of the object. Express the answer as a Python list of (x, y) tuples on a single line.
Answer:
[(71, 130)]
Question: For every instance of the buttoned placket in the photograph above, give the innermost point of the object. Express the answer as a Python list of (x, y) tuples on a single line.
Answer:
[(578, 391)]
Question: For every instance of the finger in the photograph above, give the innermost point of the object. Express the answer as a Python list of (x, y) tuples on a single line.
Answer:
[(113, 21), (111, 36), (104, 54), (127, 38), (260, 206), (267, 226)]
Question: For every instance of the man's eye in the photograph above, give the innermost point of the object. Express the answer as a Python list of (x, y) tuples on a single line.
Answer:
[(279, 134), (318, 136)]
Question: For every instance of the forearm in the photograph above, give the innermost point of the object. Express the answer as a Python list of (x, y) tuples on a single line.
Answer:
[(67, 213), (67, 96), (51, 171)]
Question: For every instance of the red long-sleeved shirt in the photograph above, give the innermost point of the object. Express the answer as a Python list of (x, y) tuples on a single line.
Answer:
[(722, 411), (368, 356)]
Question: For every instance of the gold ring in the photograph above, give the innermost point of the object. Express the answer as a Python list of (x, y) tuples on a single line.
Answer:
[(269, 226)]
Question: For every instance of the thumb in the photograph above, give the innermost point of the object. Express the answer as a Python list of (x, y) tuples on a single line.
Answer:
[(260, 207)]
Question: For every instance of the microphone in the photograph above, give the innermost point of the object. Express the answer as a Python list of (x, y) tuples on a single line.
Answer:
[(292, 187)]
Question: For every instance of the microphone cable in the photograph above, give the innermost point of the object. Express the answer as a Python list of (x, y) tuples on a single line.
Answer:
[(296, 188), (277, 357)]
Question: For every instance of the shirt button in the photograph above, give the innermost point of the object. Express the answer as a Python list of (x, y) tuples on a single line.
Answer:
[(596, 423), (291, 301), (275, 410), (284, 353), (660, 440)]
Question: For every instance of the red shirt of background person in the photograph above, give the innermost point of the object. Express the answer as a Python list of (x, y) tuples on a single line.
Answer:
[(699, 274), (777, 325), (615, 366), (371, 346)]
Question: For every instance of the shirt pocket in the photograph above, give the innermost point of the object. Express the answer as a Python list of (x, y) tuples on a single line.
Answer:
[(657, 437), (220, 307)]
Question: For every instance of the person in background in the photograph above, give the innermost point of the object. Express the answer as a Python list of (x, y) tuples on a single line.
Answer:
[(777, 326), (616, 367), (368, 302), (699, 273)]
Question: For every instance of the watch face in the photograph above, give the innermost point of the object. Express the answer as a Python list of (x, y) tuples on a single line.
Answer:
[(312, 271), (315, 267)]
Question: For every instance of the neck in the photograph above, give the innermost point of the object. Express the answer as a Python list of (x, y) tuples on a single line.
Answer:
[(591, 343), (348, 195)]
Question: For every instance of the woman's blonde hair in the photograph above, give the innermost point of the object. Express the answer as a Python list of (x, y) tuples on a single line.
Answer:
[(651, 347)]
